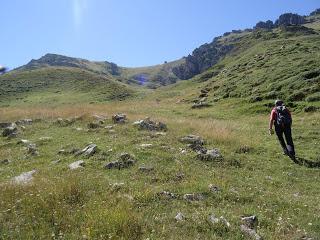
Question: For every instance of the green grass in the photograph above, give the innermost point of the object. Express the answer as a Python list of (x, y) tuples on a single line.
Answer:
[(82, 203)]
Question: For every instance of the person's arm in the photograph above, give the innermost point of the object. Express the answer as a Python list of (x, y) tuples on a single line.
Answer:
[(271, 122)]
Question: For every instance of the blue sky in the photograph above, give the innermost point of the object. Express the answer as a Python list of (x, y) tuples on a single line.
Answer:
[(127, 32)]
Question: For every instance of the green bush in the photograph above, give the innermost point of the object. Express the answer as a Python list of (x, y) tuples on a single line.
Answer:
[(313, 98)]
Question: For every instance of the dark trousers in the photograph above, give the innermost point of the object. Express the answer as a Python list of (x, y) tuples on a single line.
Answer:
[(286, 131)]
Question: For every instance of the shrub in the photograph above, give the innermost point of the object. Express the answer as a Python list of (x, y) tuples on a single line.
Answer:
[(313, 98)]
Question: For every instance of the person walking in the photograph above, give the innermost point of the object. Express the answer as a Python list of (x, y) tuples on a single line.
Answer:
[(281, 119)]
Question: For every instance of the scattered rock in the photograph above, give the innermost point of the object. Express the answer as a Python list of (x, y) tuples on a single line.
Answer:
[(109, 127), (11, 131), (24, 178), (125, 160), (215, 220), (5, 124), (119, 118), (193, 197), (214, 189), (167, 195), (179, 217), (192, 139), (200, 104), (32, 149), (146, 169), (210, 155), (24, 142), (94, 125), (45, 139), (149, 125), (249, 227), (88, 151), (146, 145), (56, 161), (77, 164), (24, 122), (65, 122)]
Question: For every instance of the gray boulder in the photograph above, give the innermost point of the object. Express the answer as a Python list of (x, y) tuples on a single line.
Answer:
[(119, 118), (149, 125), (24, 178), (249, 227), (179, 217), (88, 151), (125, 160), (24, 122), (5, 124), (32, 149), (210, 155), (167, 195), (11, 131), (76, 165)]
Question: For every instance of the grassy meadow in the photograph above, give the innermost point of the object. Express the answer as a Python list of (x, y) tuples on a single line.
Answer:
[(85, 204)]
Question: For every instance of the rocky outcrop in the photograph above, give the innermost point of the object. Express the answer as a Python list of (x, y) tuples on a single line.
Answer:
[(289, 19), (264, 25), (315, 12), (201, 59)]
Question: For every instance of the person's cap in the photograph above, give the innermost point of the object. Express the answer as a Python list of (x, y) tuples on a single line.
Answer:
[(278, 102)]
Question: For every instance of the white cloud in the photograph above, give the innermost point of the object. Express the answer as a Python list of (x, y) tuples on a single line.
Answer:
[(79, 8)]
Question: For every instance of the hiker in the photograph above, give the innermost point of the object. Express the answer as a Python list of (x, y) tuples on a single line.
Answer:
[(281, 118)]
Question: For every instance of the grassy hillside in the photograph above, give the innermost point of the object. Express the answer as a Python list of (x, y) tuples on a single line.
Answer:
[(60, 85), (283, 63)]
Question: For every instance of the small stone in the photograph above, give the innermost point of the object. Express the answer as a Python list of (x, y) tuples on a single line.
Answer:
[(77, 164), (94, 125), (180, 217), (210, 155), (45, 139), (32, 149), (146, 169), (89, 150), (56, 161), (109, 127), (10, 131), (114, 164), (24, 178), (146, 145), (167, 195), (24, 122), (193, 197), (192, 139), (24, 141), (5, 124), (119, 118), (250, 221), (213, 188)]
